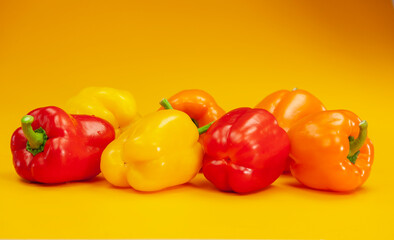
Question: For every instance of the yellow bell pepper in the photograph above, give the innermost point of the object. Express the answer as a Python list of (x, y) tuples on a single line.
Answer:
[(160, 150), (118, 107)]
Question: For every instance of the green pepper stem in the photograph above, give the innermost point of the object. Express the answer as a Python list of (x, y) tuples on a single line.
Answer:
[(166, 104), (35, 139), (357, 143), (204, 128)]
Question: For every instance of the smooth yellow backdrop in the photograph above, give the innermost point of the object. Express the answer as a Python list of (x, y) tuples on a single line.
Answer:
[(239, 51)]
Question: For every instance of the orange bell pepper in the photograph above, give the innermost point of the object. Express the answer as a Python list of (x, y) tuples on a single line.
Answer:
[(330, 150), (199, 105), (290, 106)]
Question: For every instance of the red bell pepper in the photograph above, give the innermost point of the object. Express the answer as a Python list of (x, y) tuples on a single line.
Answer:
[(62, 147), (246, 150)]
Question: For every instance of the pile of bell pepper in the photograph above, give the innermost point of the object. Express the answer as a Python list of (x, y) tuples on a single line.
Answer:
[(242, 151)]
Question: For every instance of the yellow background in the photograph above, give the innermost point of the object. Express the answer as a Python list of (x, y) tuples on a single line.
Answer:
[(239, 51)]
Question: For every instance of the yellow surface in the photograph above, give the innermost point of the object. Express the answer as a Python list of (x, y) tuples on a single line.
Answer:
[(341, 51)]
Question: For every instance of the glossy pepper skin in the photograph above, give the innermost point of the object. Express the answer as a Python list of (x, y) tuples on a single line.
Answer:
[(160, 150), (115, 106), (245, 151), (198, 104), (331, 151), (61, 148), (290, 106)]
